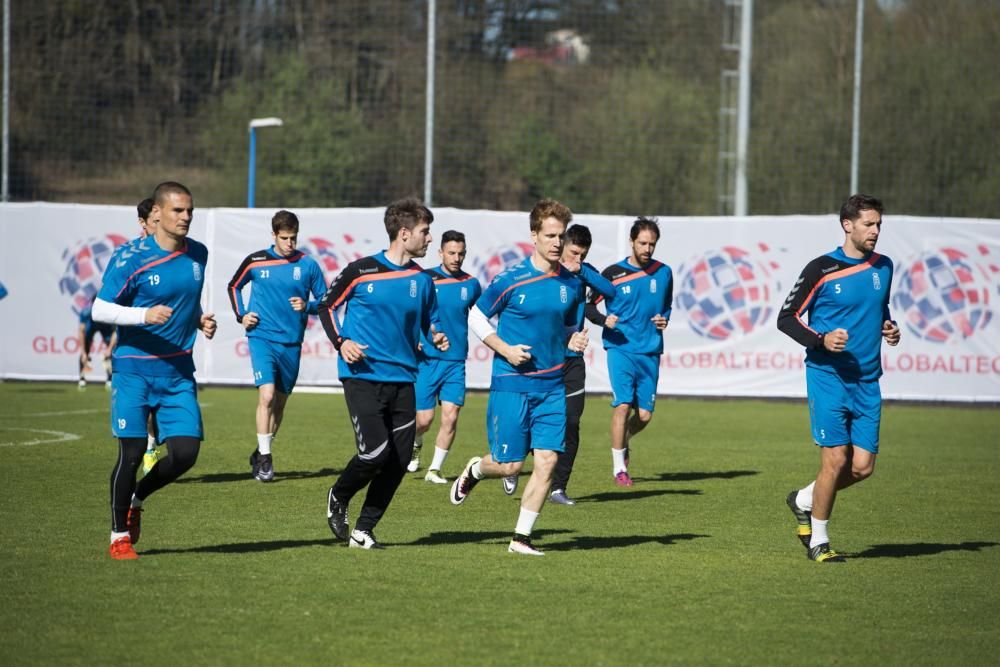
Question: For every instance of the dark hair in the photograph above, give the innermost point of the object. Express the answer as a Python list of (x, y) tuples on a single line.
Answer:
[(408, 213), (452, 235), (168, 188), (549, 208), (642, 224), (579, 235), (144, 208), (851, 209), (284, 221)]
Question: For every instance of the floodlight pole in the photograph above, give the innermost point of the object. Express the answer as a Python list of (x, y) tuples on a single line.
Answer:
[(859, 30), (743, 108), (5, 168), (252, 168), (429, 115)]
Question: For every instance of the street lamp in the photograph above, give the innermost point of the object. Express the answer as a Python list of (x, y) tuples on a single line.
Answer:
[(252, 174)]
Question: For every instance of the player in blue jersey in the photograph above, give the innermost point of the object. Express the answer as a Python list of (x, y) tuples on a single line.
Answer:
[(87, 331), (375, 313), (152, 292), (536, 303), (441, 375), (845, 295), (282, 278), (578, 241), (633, 338)]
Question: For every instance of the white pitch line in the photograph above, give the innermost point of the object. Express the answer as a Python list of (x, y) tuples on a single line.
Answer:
[(62, 413), (61, 436)]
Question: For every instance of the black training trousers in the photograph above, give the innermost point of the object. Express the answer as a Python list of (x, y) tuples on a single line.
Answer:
[(384, 416), (574, 378)]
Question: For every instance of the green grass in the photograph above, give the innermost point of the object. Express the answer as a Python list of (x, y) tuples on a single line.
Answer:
[(697, 563)]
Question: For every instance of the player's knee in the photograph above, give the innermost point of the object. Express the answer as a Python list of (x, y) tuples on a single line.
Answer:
[(183, 451), (266, 395), (864, 471), (510, 468), (424, 421), (644, 416)]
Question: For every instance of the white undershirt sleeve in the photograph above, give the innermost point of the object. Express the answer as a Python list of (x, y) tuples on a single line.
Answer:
[(112, 313), (480, 324)]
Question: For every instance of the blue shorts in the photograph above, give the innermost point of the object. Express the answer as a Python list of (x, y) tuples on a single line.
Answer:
[(174, 398), (274, 363), (519, 421), (633, 378), (440, 378), (843, 412)]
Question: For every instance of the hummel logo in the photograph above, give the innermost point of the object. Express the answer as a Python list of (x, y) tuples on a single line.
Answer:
[(372, 269), (830, 268)]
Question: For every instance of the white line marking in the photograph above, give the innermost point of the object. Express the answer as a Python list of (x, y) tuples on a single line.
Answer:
[(60, 436), (62, 413)]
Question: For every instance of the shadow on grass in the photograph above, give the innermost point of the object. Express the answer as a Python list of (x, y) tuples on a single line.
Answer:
[(470, 537), (696, 476), (244, 547), (919, 549), (279, 476), (635, 495), (584, 542)]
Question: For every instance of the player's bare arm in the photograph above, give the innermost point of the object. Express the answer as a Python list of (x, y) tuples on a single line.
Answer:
[(891, 332)]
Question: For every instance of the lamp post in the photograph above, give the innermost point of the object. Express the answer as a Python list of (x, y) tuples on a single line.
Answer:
[(252, 173)]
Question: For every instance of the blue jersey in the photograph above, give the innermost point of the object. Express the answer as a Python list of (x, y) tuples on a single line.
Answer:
[(599, 285), (456, 294), (275, 280), (384, 306), (142, 276), (640, 294), (536, 309), (839, 292)]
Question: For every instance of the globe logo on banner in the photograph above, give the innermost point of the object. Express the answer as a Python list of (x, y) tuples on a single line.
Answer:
[(727, 292), (332, 258), (498, 260), (943, 295), (85, 264)]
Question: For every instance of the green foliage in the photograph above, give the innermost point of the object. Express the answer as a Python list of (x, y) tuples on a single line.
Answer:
[(310, 161), (698, 563)]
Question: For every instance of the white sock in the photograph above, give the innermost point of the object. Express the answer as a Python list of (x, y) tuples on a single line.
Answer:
[(264, 442), (525, 522), (476, 471), (618, 461), (118, 536), (150, 441), (439, 456), (804, 499), (136, 501), (819, 535)]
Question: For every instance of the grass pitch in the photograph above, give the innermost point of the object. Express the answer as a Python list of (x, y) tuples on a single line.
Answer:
[(697, 563)]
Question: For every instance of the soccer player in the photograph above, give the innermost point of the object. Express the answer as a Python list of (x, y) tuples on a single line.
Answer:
[(536, 303), (275, 322), (441, 375), (154, 296), (578, 241), (87, 331), (633, 338), (388, 301), (845, 294)]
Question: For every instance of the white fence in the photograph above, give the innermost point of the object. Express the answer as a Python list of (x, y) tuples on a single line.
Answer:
[(731, 276)]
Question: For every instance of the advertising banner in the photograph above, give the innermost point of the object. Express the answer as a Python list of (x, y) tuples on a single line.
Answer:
[(730, 277)]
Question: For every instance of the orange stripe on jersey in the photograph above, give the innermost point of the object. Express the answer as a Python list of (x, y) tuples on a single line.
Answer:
[(450, 281), (843, 273), (151, 265), (269, 262), (374, 276), (647, 270), (551, 274)]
